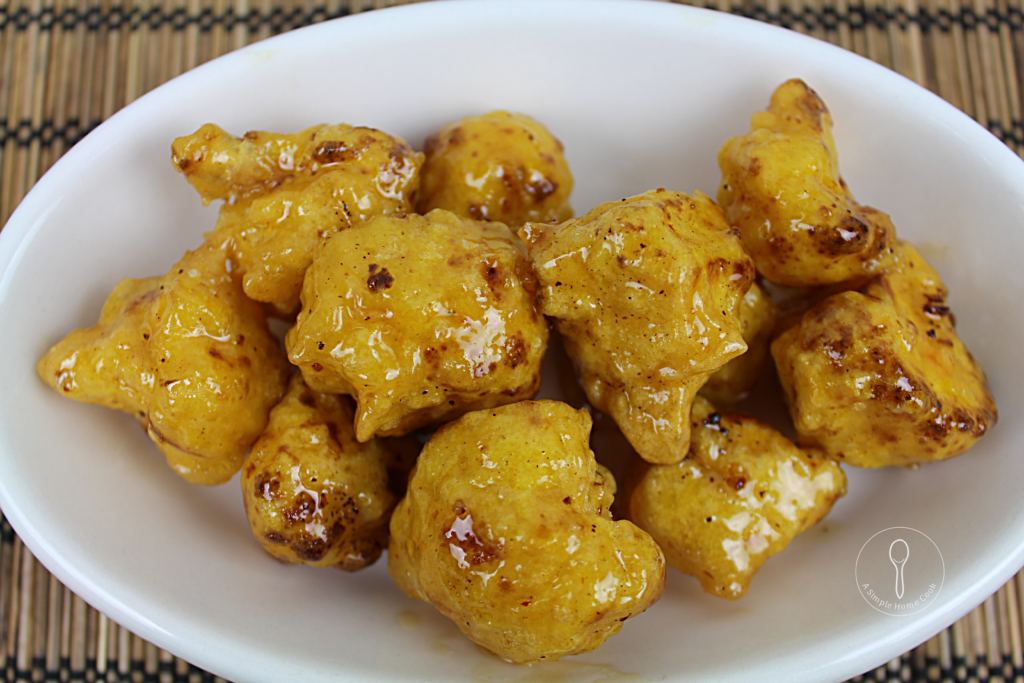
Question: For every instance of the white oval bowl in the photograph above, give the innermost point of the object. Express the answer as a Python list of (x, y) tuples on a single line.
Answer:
[(642, 95)]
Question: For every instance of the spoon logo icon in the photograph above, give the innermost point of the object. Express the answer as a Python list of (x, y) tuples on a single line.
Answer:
[(911, 591), (898, 549)]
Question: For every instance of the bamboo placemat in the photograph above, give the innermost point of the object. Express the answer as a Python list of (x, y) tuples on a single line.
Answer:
[(66, 65)]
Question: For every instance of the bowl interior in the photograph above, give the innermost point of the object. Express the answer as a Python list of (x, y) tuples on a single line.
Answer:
[(642, 95)]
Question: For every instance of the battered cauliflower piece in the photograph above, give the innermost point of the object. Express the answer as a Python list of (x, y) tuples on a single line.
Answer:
[(878, 377), (645, 293), (497, 167), (421, 319), (313, 494), (506, 530), (733, 383), (781, 187), (742, 494), (189, 355), (285, 194)]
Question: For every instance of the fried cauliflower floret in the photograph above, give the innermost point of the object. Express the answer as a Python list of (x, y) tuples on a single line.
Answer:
[(313, 494), (734, 381), (645, 294), (497, 167), (285, 194), (506, 530), (188, 355), (421, 319), (878, 377), (741, 495), (781, 187)]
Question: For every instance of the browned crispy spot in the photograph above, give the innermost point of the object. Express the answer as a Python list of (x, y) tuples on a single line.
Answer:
[(333, 152), (849, 237), (515, 351), (310, 549), (302, 511), (379, 279), (936, 306), (737, 482), (160, 438), (214, 353), (268, 486), (456, 136), (837, 348), (275, 538), (430, 144), (477, 550), (540, 188), (812, 107)]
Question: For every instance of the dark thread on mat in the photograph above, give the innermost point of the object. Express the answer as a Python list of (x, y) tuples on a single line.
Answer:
[(48, 133), (115, 18), (902, 670), (857, 17), (23, 134), (137, 674), (980, 672), (1010, 137)]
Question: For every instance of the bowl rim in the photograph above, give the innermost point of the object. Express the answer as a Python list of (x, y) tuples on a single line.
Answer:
[(31, 216)]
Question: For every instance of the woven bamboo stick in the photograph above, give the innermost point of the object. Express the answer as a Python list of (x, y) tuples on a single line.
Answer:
[(124, 651), (51, 624), (1010, 77), (992, 70), (13, 169), (6, 88), (24, 615), (49, 92), (976, 69), (73, 82), (960, 49), (133, 77), (54, 76), (931, 650), (845, 32), (37, 89), (939, 41)]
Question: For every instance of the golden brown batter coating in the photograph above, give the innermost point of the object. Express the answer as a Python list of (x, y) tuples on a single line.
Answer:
[(313, 494), (506, 530), (109, 363), (285, 194), (781, 187), (189, 355), (879, 377), (645, 294), (421, 319), (743, 493), (497, 167), (732, 383)]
